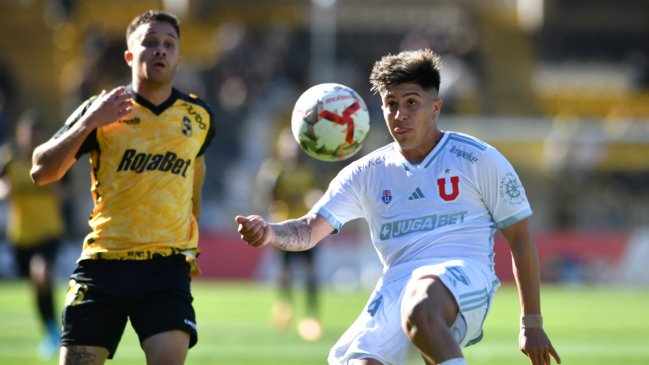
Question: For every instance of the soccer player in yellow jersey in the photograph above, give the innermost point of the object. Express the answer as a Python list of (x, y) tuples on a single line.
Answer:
[(146, 143), (35, 224)]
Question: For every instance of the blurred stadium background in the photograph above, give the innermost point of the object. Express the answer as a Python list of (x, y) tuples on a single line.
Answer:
[(561, 87)]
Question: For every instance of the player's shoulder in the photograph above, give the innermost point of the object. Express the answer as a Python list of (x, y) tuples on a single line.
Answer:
[(455, 139), (192, 98), (472, 149), (377, 158)]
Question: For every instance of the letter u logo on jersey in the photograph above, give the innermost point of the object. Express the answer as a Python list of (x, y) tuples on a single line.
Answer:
[(455, 188)]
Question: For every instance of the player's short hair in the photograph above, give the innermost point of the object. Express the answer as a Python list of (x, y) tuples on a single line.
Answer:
[(420, 66), (150, 17)]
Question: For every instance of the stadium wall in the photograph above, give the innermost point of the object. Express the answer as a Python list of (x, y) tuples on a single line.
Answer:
[(565, 257)]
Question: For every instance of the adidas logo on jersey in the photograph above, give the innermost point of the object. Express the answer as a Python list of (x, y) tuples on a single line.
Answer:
[(417, 194)]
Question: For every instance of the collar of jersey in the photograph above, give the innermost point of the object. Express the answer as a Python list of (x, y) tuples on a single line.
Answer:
[(155, 109), (428, 159)]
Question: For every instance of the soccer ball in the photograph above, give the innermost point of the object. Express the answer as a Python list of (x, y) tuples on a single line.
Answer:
[(330, 122)]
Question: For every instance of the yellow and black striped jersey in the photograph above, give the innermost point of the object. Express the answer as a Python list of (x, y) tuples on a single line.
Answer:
[(35, 212), (142, 174)]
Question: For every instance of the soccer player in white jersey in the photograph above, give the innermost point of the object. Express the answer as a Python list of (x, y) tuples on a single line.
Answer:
[(433, 201)]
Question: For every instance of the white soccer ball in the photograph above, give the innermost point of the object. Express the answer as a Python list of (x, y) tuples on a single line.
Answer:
[(330, 122)]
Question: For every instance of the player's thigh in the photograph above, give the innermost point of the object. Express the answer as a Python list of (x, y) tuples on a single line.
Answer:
[(168, 348), (88, 322), (166, 311), (82, 355), (428, 297), (472, 288)]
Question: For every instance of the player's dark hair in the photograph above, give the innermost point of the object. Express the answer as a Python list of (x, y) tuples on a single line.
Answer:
[(421, 67), (150, 17)]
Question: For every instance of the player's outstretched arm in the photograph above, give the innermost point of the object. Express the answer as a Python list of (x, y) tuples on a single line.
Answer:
[(52, 159), (292, 235), (533, 341)]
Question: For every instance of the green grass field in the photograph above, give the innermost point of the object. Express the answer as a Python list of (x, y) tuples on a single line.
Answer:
[(593, 326)]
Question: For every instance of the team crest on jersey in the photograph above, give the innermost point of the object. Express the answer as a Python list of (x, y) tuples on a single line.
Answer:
[(511, 189), (387, 196), (451, 192), (187, 126)]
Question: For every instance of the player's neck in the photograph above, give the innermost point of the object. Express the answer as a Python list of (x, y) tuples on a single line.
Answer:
[(155, 93), (417, 155)]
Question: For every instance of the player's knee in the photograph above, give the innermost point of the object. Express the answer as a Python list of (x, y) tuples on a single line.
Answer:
[(423, 311), (417, 315)]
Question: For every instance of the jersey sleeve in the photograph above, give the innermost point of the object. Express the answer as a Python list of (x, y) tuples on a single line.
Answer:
[(502, 190), (341, 202), (90, 143), (210, 127)]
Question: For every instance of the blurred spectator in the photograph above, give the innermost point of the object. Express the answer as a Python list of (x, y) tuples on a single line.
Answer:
[(35, 224), (291, 187), (638, 66), (572, 151)]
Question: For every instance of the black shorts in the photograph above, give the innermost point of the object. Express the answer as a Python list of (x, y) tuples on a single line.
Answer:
[(103, 294), (23, 255)]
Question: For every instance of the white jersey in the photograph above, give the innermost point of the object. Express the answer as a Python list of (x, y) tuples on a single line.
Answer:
[(448, 206)]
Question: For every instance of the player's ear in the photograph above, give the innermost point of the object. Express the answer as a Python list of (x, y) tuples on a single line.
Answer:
[(437, 106), (128, 57)]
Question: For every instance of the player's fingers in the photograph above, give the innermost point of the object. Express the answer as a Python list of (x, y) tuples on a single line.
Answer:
[(555, 355), (254, 226), (125, 101), (248, 218), (262, 235), (107, 95), (118, 97), (251, 232), (247, 229), (537, 358), (256, 240), (240, 219), (119, 90), (245, 223)]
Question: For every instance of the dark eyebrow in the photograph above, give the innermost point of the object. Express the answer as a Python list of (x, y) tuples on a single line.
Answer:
[(171, 34), (392, 96), (415, 93)]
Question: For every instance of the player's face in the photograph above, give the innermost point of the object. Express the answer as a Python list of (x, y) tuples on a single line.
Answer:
[(411, 114), (153, 52)]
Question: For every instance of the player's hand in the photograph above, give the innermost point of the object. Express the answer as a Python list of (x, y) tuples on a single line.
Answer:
[(254, 230), (110, 107), (534, 343)]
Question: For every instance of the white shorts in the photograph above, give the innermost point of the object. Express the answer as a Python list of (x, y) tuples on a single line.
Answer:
[(377, 333)]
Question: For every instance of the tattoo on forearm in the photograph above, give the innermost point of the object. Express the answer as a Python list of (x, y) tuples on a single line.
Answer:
[(293, 236), (79, 356)]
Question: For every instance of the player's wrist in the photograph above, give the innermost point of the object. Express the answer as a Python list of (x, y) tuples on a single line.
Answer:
[(531, 321)]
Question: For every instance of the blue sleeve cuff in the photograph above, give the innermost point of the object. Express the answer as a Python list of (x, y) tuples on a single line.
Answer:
[(514, 219), (330, 218)]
